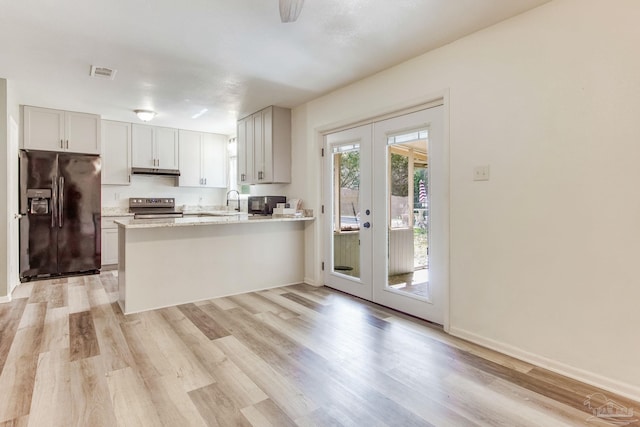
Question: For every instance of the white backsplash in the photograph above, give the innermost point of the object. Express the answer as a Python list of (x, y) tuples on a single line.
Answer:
[(117, 196), (160, 186)]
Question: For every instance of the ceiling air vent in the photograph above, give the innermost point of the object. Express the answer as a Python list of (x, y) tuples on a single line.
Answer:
[(102, 72)]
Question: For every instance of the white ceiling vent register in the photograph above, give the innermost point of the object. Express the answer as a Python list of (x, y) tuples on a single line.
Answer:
[(102, 72)]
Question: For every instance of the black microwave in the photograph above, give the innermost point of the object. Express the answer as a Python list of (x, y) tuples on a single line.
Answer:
[(263, 205)]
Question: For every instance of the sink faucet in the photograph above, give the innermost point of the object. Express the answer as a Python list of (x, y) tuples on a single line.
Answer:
[(238, 199)]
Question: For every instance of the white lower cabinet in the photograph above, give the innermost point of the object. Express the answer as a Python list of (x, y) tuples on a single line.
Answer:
[(110, 240)]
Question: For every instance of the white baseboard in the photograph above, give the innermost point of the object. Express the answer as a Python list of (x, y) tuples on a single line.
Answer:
[(312, 282), (5, 299), (623, 389)]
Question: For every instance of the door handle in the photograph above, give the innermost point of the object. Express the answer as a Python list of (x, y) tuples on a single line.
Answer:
[(54, 202), (366, 225), (61, 200)]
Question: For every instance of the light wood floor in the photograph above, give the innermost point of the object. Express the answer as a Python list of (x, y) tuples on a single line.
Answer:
[(296, 355)]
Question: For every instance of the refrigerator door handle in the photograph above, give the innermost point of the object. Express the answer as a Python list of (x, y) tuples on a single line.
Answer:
[(60, 200), (54, 202)]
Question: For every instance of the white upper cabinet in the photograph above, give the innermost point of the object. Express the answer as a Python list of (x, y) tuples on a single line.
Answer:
[(214, 160), (116, 153), (58, 130), (264, 147), (203, 159), (167, 146), (245, 150), (154, 147)]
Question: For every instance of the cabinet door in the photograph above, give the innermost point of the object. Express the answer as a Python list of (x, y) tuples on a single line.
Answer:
[(242, 151), (142, 146), (109, 246), (167, 148), (258, 148), (214, 160), (82, 133), (116, 153), (267, 145), (43, 129), (190, 159)]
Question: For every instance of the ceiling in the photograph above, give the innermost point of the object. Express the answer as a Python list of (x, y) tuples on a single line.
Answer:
[(232, 57)]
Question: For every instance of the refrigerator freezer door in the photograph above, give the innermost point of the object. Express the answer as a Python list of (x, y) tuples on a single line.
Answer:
[(38, 239), (80, 205)]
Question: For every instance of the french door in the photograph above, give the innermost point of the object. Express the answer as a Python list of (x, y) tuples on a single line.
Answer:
[(386, 213)]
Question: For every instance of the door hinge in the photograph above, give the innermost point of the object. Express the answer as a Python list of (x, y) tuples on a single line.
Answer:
[(322, 209), (322, 265), (322, 152)]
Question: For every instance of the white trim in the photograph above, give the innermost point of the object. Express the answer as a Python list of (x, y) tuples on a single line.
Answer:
[(309, 281), (623, 389), (5, 299), (375, 115)]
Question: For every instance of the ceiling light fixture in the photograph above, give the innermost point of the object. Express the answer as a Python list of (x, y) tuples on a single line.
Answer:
[(290, 10), (145, 115)]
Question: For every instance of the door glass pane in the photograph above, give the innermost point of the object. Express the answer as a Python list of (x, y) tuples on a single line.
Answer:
[(346, 211), (408, 196)]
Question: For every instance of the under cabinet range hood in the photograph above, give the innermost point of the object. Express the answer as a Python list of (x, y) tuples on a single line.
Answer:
[(152, 171)]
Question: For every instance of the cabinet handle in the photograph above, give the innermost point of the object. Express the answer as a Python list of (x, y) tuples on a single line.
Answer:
[(205, 181), (129, 178), (260, 175), (61, 144), (67, 144)]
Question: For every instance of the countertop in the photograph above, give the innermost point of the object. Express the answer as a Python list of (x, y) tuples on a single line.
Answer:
[(193, 219)]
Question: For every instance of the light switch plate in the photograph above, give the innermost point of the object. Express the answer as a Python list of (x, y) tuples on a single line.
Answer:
[(481, 173)]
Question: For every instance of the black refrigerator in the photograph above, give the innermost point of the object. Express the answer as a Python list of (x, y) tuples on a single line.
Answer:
[(60, 205)]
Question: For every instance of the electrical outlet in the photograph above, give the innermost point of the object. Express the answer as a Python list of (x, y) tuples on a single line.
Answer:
[(481, 173)]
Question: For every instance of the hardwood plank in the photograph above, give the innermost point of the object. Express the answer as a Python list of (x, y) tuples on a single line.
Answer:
[(216, 407), (113, 346), (56, 329), (57, 295), (183, 363), (17, 422), (90, 394), (131, 401), (11, 316), (267, 414), (237, 385), (305, 302), (82, 336), (222, 303), (209, 327), (51, 403), (23, 290), (16, 387), (255, 303), (173, 405), (281, 390), (78, 298), (148, 360)]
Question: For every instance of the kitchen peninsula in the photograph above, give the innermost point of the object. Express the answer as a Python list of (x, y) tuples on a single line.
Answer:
[(166, 262)]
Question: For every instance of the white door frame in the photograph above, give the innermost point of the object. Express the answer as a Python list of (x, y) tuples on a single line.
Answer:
[(416, 104)]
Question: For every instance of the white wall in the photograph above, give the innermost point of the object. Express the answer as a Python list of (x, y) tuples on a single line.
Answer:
[(544, 255), (4, 192)]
